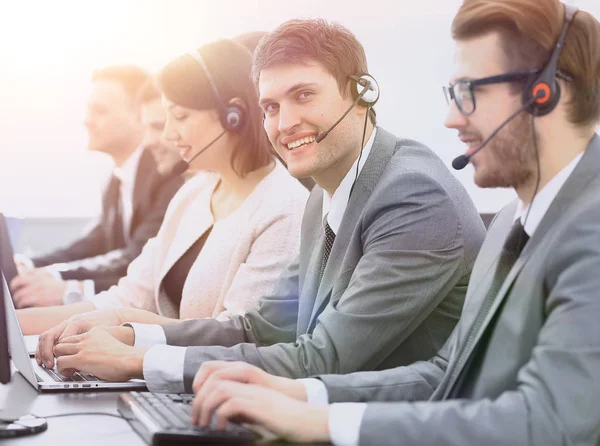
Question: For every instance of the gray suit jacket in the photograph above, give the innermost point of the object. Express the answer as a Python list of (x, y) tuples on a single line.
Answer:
[(392, 290), (538, 380)]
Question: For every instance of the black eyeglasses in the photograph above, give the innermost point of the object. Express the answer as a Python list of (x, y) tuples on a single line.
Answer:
[(463, 91)]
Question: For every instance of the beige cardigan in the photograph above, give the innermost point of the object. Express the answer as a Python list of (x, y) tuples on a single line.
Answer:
[(240, 261)]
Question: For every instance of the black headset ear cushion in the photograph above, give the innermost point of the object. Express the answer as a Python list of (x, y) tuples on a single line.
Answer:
[(234, 118), (540, 109)]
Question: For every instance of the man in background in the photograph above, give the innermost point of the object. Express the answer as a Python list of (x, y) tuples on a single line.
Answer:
[(133, 203), (153, 117)]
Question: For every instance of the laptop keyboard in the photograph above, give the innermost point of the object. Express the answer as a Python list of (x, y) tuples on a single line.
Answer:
[(77, 376)]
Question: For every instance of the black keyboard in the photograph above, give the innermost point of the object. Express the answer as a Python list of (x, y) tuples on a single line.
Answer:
[(162, 419), (76, 377)]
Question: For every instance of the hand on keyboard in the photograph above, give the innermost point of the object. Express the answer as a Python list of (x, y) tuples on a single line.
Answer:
[(278, 413)]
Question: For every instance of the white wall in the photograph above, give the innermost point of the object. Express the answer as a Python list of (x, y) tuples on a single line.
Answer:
[(49, 50)]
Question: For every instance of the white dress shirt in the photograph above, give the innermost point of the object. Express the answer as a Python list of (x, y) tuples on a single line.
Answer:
[(127, 174), (164, 365), (335, 205), (345, 418)]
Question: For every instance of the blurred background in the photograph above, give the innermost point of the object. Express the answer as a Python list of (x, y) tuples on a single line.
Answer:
[(49, 50)]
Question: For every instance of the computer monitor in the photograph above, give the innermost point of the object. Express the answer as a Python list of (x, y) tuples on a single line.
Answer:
[(4, 356), (7, 256), (11, 425)]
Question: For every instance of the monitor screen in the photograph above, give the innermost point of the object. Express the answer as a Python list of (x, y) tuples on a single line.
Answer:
[(4, 356), (7, 258)]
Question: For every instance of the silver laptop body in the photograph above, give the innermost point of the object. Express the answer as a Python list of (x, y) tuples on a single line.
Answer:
[(41, 378)]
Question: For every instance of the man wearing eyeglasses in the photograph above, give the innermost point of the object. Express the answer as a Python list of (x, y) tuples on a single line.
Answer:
[(522, 366)]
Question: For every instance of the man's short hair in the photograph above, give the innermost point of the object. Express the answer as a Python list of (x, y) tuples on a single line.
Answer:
[(131, 77), (530, 30), (299, 41)]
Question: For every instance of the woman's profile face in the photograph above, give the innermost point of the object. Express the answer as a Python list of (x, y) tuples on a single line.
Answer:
[(191, 130)]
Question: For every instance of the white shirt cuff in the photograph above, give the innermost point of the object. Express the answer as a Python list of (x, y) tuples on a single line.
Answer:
[(316, 392), (72, 291), (344, 423), (163, 369), (89, 288), (147, 335)]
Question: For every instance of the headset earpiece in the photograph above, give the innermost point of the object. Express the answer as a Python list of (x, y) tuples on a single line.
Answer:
[(546, 94), (362, 81), (233, 117), (545, 87)]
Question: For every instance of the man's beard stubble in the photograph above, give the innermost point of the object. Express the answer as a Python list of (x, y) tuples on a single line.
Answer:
[(511, 160)]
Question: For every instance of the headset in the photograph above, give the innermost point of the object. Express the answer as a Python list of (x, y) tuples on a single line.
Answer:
[(366, 90), (544, 89), (232, 116)]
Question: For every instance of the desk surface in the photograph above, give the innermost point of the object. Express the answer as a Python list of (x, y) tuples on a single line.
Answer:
[(19, 398)]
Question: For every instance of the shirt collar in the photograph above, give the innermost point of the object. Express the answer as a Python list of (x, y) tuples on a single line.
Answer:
[(544, 198), (126, 173), (334, 206)]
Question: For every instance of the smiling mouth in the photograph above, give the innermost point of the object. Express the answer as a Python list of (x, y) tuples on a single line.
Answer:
[(300, 143)]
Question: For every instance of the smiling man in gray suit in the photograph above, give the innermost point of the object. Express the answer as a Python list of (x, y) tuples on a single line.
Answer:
[(389, 236), (522, 366)]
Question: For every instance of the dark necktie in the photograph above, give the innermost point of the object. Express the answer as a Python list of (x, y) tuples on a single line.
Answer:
[(118, 232), (329, 239), (514, 244)]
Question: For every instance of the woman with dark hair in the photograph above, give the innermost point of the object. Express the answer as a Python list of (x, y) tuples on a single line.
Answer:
[(230, 230)]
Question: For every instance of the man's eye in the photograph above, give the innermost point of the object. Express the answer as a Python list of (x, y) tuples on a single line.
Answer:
[(271, 108), (305, 94)]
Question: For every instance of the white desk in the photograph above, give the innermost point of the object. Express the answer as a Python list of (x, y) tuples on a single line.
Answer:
[(18, 397)]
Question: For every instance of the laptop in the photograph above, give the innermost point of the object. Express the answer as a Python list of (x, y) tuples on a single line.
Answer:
[(44, 379), (7, 255)]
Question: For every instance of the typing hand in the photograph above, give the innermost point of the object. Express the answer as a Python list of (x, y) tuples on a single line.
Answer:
[(99, 353), (23, 263), (37, 288), (212, 372), (79, 324), (284, 416), (44, 354)]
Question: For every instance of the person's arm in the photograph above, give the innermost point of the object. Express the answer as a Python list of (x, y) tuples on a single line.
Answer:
[(35, 321), (105, 269), (414, 382), (90, 243)]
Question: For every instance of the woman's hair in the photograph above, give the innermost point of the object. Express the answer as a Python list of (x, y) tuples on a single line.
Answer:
[(184, 82)]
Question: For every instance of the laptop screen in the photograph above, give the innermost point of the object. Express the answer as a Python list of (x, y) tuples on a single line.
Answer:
[(4, 356), (7, 258)]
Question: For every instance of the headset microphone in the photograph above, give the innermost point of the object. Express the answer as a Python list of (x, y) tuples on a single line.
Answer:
[(460, 162), (182, 165), (369, 84)]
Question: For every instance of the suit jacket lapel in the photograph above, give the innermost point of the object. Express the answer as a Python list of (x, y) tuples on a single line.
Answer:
[(585, 172), (310, 256), (383, 149), (185, 231)]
